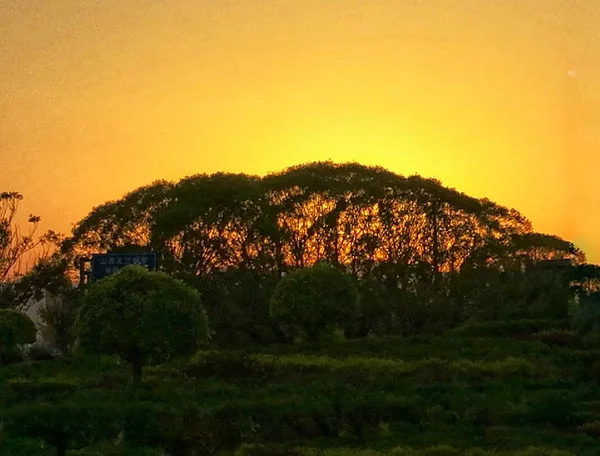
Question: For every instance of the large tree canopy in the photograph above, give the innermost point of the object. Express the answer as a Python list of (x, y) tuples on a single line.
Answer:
[(233, 236), (346, 214)]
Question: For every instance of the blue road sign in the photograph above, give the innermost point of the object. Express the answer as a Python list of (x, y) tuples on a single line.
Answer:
[(104, 264)]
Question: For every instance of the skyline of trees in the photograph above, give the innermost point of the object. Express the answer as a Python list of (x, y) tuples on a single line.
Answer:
[(422, 255), (347, 214)]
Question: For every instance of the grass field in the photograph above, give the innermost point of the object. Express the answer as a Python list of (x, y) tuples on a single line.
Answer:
[(513, 388)]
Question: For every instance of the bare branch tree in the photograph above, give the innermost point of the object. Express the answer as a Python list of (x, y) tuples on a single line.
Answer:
[(18, 249)]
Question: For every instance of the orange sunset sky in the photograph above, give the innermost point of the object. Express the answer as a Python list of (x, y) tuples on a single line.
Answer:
[(497, 98)]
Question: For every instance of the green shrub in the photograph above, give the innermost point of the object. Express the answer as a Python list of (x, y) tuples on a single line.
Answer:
[(116, 449), (142, 423), (276, 450), (507, 368), (311, 303), (46, 388), (441, 450), (585, 316), (592, 429), (556, 337), (108, 381), (16, 328), (552, 408), (540, 451), (71, 424), (191, 428), (39, 352), (143, 317), (223, 364), (591, 340), (17, 446), (432, 370), (508, 328)]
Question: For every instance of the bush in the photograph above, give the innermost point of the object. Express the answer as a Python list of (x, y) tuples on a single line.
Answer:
[(71, 424), (508, 328), (225, 364), (16, 328), (312, 303), (592, 429), (556, 337), (507, 368), (585, 315), (40, 352), (553, 408), (12, 446), (115, 449), (276, 450), (47, 388)]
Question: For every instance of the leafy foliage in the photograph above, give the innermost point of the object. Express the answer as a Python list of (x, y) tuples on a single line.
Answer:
[(426, 257), (309, 303), (490, 367), (494, 396), (20, 251), (586, 314), (70, 424), (15, 328), (143, 317), (509, 328)]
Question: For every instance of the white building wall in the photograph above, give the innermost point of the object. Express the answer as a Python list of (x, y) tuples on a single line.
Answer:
[(32, 311)]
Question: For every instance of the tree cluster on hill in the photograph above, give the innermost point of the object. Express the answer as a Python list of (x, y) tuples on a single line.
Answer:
[(424, 256)]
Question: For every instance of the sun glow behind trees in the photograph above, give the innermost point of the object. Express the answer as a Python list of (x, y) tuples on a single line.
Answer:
[(103, 99), (347, 215)]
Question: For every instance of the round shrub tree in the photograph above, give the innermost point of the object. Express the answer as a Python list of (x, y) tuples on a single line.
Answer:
[(585, 318), (585, 314), (15, 328), (143, 317), (312, 303)]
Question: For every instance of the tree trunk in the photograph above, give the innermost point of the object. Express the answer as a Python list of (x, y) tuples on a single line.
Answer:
[(435, 253), (61, 447), (137, 371)]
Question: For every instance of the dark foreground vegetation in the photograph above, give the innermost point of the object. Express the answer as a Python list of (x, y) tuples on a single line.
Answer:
[(325, 310), (532, 391)]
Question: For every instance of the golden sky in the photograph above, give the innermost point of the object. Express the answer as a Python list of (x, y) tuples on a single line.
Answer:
[(497, 98)]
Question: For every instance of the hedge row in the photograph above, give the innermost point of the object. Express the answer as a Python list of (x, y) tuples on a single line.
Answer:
[(359, 371), (438, 450), (350, 414), (509, 328)]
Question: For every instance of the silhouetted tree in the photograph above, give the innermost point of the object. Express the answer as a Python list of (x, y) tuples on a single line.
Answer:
[(424, 243), (20, 251)]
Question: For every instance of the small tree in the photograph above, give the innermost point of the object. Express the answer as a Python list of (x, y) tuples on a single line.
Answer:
[(15, 328), (314, 302), (16, 246), (143, 317)]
